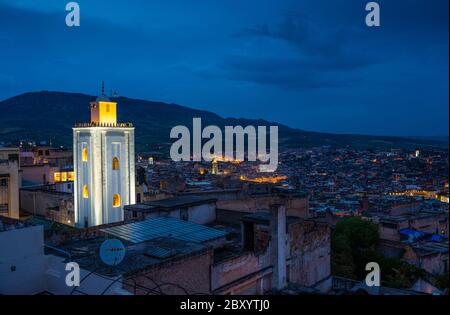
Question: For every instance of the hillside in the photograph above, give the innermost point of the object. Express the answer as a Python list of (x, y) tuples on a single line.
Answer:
[(51, 115)]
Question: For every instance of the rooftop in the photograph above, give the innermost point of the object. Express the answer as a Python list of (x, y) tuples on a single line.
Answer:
[(7, 224), (137, 257), (422, 214), (264, 218), (431, 248), (170, 203), (164, 227)]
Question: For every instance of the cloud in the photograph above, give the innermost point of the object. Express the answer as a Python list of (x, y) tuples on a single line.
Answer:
[(284, 73), (301, 33), (297, 54)]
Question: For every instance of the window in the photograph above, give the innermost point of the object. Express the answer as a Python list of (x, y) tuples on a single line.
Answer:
[(64, 176), (107, 108), (138, 198), (85, 192), (84, 155), (70, 176), (134, 214), (116, 200), (115, 164), (56, 177)]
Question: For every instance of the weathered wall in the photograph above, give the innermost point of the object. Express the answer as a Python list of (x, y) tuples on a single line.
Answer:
[(190, 273), (434, 264), (309, 249), (307, 257), (243, 274), (45, 203), (298, 207)]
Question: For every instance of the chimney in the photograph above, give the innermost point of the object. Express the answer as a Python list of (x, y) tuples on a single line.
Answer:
[(278, 245)]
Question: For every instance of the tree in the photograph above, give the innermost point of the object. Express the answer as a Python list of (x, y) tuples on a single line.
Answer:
[(441, 281), (397, 273), (352, 242)]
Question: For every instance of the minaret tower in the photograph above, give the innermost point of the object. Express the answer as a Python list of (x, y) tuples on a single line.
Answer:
[(103, 165)]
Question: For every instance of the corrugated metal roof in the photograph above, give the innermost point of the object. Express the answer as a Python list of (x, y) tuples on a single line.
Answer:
[(160, 252), (164, 227)]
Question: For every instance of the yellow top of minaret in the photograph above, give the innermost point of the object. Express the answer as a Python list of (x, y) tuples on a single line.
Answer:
[(103, 110)]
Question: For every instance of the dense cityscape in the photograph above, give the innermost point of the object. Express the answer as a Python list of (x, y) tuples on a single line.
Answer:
[(324, 193), (224, 156)]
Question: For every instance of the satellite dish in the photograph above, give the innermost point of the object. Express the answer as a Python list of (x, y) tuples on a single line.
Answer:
[(112, 252)]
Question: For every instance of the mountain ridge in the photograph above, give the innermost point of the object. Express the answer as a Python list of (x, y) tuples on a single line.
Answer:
[(50, 115)]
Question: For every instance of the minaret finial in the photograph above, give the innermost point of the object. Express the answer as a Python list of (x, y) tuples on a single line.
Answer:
[(103, 87)]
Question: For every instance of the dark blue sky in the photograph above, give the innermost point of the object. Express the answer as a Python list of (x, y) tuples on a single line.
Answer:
[(310, 64)]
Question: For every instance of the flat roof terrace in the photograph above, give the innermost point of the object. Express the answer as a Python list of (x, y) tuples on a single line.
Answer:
[(171, 203)]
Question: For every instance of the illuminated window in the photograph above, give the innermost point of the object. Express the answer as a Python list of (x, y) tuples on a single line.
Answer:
[(107, 108), (115, 164), (85, 192), (64, 176), (70, 176), (116, 200), (84, 155), (57, 177)]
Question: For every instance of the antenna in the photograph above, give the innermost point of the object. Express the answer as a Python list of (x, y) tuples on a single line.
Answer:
[(103, 87)]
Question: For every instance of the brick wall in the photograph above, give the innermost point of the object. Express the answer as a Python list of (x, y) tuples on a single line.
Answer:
[(191, 274)]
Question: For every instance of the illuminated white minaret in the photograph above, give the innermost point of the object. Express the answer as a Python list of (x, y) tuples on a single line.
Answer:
[(103, 166)]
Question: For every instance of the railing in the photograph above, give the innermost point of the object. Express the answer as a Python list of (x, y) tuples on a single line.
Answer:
[(95, 124)]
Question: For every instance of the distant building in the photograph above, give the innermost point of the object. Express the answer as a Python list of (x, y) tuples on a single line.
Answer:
[(415, 235), (430, 256), (417, 153), (197, 209), (45, 174), (390, 226), (214, 167), (50, 202), (9, 182), (49, 155), (103, 165)]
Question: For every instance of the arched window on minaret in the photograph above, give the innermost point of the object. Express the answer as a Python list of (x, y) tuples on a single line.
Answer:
[(115, 164), (116, 200), (85, 192), (84, 155)]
